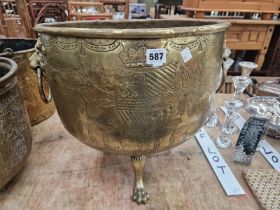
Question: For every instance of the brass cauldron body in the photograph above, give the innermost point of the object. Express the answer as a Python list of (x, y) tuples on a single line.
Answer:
[(112, 100), (20, 50), (15, 134)]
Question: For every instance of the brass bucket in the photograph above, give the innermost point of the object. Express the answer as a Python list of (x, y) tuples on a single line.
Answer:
[(109, 95), (20, 50), (15, 133)]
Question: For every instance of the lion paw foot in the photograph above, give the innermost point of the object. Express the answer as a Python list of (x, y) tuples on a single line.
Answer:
[(140, 196)]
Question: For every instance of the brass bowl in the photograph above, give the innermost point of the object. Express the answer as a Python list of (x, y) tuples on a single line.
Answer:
[(15, 134), (20, 50), (110, 98)]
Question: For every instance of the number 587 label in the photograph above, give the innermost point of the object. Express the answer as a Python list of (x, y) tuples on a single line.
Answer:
[(156, 57)]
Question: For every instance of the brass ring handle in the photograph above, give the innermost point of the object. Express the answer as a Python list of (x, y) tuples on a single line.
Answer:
[(40, 84), (224, 75), (226, 64)]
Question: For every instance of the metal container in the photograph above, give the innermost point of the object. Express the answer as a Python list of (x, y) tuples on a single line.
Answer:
[(269, 87), (15, 134), (267, 107), (109, 97), (20, 50)]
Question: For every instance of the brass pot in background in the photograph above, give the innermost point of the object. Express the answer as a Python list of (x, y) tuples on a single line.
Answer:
[(15, 133), (20, 50)]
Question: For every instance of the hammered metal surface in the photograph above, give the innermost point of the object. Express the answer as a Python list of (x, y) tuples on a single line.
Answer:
[(15, 134), (110, 99), (36, 108)]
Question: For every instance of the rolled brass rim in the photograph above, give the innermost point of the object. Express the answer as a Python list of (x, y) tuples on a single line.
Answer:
[(119, 29), (41, 88)]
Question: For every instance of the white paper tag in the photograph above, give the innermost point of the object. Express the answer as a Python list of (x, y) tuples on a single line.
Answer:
[(218, 164), (186, 55), (156, 57), (238, 119), (270, 154)]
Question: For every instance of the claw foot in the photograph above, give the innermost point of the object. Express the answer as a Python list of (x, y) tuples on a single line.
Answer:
[(140, 196)]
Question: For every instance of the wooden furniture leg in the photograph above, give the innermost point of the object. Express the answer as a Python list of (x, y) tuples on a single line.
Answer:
[(199, 14), (261, 54), (189, 13)]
